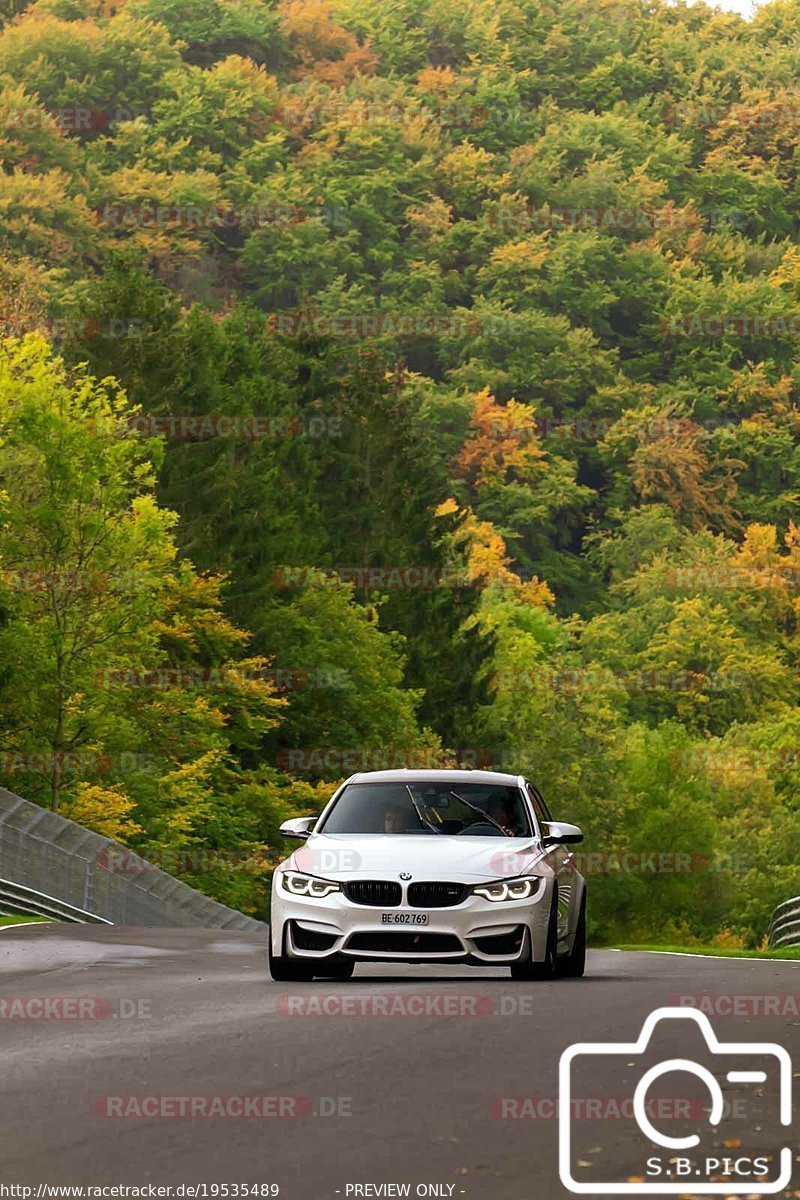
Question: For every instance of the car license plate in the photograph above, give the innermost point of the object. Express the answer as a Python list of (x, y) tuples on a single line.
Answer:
[(404, 918)]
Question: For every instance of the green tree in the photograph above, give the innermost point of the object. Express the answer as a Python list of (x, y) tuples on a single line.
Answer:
[(96, 604)]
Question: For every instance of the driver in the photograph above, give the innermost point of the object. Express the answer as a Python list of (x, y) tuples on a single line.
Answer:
[(394, 820), (503, 811)]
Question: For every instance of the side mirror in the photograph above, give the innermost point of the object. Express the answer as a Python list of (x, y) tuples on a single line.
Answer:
[(559, 833), (298, 827)]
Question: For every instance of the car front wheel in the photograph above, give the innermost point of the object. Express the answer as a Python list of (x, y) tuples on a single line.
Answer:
[(572, 965), (287, 970)]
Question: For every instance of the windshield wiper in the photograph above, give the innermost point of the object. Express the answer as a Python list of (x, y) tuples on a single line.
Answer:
[(480, 811), (423, 820)]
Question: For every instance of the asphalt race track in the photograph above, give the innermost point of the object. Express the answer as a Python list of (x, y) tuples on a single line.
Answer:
[(398, 1090)]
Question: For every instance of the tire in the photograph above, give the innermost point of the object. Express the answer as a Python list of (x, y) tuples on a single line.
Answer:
[(573, 965), (525, 968), (287, 970)]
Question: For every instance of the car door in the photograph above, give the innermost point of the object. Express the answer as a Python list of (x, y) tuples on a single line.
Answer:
[(562, 860)]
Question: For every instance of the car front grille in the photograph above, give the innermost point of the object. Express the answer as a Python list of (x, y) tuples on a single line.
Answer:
[(403, 941), (436, 895), (376, 893)]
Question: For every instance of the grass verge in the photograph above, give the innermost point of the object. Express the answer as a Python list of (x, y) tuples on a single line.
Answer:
[(18, 919), (715, 952)]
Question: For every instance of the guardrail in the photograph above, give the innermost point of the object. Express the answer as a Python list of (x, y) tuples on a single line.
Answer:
[(17, 899), (69, 867), (784, 929)]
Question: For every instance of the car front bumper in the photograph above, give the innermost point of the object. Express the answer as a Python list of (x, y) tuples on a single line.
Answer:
[(462, 933)]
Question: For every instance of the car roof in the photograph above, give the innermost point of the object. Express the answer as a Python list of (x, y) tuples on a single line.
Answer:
[(410, 775)]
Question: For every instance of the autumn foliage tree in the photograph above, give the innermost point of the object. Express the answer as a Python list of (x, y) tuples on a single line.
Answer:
[(513, 287)]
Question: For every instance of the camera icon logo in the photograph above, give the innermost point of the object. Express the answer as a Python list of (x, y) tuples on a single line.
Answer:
[(671, 1163)]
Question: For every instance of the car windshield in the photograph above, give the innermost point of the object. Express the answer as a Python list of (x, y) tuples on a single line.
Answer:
[(468, 809)]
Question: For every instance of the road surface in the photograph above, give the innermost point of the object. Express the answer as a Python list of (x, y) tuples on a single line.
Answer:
[(440, 1079)]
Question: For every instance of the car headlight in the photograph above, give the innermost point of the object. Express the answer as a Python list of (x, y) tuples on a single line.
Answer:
[(307, 885), (509, 889)]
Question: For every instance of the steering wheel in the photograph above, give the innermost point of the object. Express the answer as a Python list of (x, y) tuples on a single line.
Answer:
[(481, 829)]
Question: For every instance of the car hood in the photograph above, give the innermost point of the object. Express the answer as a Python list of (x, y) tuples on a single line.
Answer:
[(434, 857)]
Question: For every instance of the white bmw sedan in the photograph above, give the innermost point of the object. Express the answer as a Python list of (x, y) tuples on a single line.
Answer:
[(436, 866)]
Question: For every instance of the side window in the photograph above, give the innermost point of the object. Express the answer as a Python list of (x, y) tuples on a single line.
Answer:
[(539, 806)]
